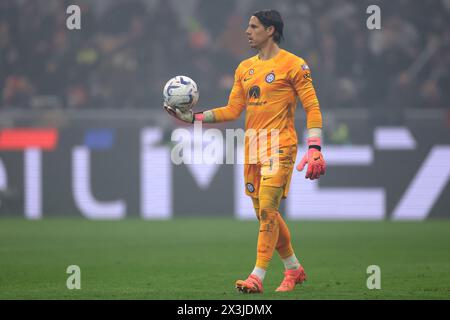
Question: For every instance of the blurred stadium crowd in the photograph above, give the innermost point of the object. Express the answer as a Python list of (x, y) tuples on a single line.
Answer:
[(127, 50)]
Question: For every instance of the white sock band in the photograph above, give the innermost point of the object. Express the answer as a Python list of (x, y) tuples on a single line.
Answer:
[(291, 262), (259, 272)]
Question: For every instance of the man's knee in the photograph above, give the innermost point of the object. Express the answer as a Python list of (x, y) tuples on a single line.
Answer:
[(268, 219), (268, 214)]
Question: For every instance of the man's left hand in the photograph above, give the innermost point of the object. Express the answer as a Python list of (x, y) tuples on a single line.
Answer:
[(316, 164)]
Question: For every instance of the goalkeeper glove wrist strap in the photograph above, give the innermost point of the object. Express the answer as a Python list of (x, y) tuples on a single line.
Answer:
[(198, 117), (314, 143)]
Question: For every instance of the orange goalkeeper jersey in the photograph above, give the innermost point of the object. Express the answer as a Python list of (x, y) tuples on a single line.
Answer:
[(268, 90)]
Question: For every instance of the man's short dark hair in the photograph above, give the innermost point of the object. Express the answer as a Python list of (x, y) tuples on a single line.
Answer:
[(272, 18)]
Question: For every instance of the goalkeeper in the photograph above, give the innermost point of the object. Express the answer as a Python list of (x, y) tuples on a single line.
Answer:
[(267, 86)]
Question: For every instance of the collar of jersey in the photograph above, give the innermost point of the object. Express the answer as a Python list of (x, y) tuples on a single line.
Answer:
[(269, 60)]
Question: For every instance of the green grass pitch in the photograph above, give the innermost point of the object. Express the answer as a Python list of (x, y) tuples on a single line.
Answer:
[(201, 259)]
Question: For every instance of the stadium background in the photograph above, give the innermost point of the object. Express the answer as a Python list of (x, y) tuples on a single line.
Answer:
[(97, 91), (84, 140)]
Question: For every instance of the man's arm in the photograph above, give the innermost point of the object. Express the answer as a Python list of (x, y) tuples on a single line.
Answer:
[(205, 116), (236, 102), (232, 111), (303, 84), (302, 81)]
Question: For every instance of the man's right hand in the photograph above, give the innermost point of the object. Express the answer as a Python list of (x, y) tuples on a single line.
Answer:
[(186, 116)]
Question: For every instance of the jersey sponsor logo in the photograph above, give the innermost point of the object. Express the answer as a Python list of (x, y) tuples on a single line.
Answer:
[(270, 77), (250, 187), (260, 103), (254, 92)]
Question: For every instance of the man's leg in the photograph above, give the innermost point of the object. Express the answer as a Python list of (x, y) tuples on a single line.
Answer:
[(274, 232), (284, 246), (269, 224), (252, 177), (272, 190), (266, 209), (294, 274)]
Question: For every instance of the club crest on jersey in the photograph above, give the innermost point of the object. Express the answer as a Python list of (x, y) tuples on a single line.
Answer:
[(270, 77), (252, 71), (250, 188)]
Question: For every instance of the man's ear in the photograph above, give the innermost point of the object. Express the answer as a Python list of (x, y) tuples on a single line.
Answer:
[(271, 30)]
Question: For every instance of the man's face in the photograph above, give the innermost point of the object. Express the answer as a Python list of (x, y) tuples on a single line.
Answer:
[(257, 34)]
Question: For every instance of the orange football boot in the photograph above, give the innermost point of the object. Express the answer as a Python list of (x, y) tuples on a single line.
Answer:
[(253, 284), (291, 278)]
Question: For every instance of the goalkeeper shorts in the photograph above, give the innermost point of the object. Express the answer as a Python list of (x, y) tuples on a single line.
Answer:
[(276, 172)]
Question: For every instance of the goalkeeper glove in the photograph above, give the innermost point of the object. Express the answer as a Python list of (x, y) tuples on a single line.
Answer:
[(186, 116), (314, 159)]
